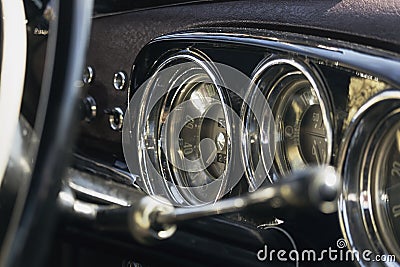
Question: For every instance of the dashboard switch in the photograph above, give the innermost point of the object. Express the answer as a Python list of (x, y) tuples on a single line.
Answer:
[(115, 118), (88, 75)]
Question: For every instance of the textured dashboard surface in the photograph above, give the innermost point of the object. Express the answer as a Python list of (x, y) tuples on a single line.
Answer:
[(375, 20)]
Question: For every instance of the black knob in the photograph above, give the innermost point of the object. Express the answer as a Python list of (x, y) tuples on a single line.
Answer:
[(88, 108)]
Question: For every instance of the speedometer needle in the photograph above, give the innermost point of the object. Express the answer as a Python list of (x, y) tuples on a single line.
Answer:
[(211, 157), (315, 152), (315, 134)]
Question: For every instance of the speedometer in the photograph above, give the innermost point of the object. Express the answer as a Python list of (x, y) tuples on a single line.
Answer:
[(180, 122)]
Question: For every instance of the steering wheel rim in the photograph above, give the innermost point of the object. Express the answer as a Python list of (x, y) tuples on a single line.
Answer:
[(12, 74), (33, 216)]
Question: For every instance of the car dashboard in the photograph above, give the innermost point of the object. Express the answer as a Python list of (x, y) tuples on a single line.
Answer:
[(206, 101)]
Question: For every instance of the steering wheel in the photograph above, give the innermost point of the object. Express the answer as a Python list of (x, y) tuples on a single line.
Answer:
[(32, 160)]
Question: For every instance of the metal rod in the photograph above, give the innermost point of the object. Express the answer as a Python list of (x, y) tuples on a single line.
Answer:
[(314, 188)]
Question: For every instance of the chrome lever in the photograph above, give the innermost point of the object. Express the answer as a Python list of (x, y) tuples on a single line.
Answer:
[(151, 218)]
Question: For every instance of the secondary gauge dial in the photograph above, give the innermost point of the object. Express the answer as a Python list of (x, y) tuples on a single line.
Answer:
[(301, 109), (301, 126)]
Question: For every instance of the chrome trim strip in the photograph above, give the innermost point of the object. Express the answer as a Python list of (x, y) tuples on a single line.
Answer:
[(97, 168), (94, 187), (372, 61)]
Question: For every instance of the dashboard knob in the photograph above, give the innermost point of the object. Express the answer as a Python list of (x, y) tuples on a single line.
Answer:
[(115, 118)]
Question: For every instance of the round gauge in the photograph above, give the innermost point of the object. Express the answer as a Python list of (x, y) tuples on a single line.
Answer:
[(300, 107), (181, 124), (370, 166)]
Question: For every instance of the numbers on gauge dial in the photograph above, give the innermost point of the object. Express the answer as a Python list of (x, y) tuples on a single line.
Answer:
[(204, 137)]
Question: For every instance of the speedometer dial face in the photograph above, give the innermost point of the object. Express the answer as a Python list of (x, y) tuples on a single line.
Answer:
[(194, 137), (301, 110), (202, 139)]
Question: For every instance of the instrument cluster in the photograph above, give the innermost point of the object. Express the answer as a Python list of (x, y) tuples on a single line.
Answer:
[(210, 116)]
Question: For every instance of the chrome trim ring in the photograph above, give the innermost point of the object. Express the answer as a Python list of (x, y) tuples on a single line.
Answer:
[(361, 220)]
